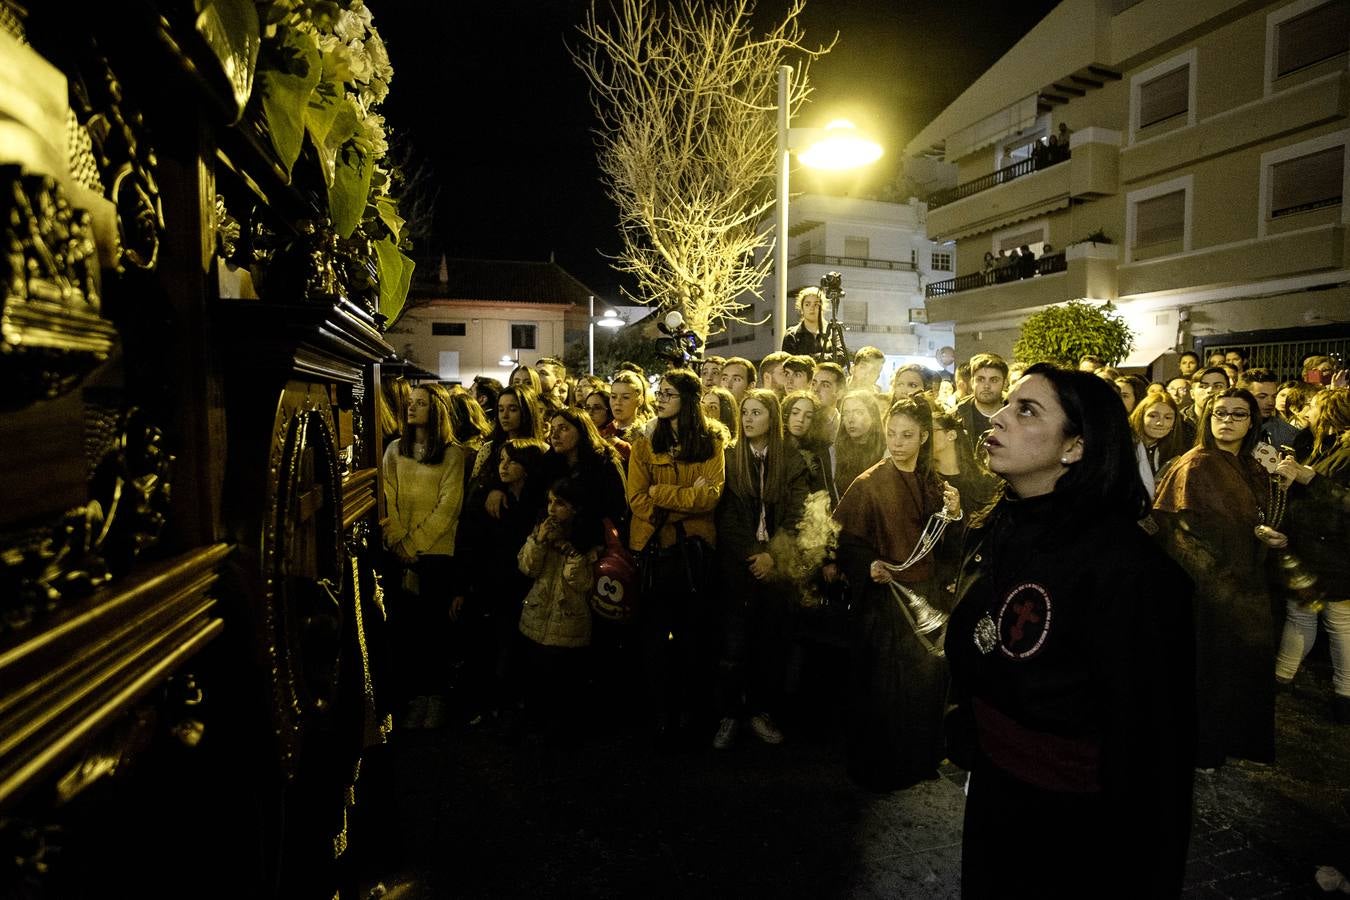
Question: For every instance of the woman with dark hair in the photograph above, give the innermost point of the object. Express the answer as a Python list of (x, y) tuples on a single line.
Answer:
[(1132, 391), (1319, 533), (675, 478), (494, 582), (889, 519), (719, 405), (1070, 645), (800, 416), (519, 415), (1212, 509), (423, 494), (860, 441), (470, 426), (1158, 434), (578, 452), (766, 485), (908, 380), (955, 463), (598, 406)]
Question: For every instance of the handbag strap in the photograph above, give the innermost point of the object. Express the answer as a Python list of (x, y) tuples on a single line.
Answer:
[(658, 523)]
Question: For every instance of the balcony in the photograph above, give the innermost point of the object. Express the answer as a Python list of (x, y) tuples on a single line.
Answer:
[(1023, 191), (994, 179), (1083, 270), (1046, 265), (857, 262)]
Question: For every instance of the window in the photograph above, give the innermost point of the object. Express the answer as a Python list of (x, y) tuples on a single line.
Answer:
[(523, 336), (1164, 97), (1318, 34), (448, 329), (1160, 219), (1307, 182), (856, 247), (1034, 239), (804, 247), (942, 261)]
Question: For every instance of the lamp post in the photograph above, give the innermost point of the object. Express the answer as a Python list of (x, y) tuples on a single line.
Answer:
[(610, 319), (836, 146)]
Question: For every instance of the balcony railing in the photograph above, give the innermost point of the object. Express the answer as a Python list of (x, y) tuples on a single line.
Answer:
[(1045, 265), (1045, 158), (857, 262)]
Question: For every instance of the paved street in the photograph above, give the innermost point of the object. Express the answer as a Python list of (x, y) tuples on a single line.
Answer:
[(462, 813)]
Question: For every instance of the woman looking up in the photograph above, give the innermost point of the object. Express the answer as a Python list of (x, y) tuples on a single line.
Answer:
[(1212, 508), (766, 485), (675, 477), (899, 682), (423, 493), (1067, 707)]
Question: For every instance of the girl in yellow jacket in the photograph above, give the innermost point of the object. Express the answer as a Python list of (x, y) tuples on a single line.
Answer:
[(675, 476)]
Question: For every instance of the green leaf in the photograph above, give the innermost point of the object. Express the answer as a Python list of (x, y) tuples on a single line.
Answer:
[(330, 120), (387, 209), (285, 93), (396, 272), (349, 190)]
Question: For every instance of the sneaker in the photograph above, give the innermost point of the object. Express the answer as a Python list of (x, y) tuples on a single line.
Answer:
[(765, 730), (416, 713), (435, 715), (726, 734)]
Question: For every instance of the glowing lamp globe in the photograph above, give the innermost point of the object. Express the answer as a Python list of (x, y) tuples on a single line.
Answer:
[(841, 146)]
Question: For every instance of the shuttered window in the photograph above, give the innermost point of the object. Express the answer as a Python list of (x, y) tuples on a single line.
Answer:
[(1308, 182), (1164, 97), (1316, 35), (1160, 220), (448, 329), (857, 247)]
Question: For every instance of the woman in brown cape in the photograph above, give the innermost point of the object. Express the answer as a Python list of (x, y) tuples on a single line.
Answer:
[(899, 680), (1212, 507)]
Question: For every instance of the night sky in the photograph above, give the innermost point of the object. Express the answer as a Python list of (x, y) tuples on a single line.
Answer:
[(487, 97)]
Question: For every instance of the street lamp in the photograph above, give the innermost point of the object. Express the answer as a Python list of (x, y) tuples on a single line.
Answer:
[(609, 320), (836, 146)]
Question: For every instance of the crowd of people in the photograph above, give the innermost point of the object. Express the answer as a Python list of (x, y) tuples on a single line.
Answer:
[(1079, 586)]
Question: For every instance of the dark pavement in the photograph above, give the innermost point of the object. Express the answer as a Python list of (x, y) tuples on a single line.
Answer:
[(461, 812)]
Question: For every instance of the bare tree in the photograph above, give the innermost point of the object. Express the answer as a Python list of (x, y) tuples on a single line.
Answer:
[(686, 100)]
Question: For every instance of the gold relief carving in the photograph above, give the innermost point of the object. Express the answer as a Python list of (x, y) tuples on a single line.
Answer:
[(125, 158), (51, 333), (129, 501)]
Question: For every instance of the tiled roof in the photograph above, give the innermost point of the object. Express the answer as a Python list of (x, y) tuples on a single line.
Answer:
[(496, 280)]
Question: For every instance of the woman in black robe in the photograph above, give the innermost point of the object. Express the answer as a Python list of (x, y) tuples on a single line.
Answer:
[(1071, 646), (899, 679)]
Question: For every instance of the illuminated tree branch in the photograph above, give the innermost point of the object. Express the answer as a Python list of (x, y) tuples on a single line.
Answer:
[(686, 100)]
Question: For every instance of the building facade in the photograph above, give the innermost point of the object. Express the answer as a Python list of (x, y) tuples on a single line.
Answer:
[(885, 258), (1196, 179), (469, 317)]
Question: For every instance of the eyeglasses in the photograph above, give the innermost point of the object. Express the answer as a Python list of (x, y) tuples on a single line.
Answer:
[(1236, 415), (668, 395)]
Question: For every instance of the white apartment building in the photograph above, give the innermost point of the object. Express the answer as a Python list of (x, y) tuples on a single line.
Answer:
[(883, 253)]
